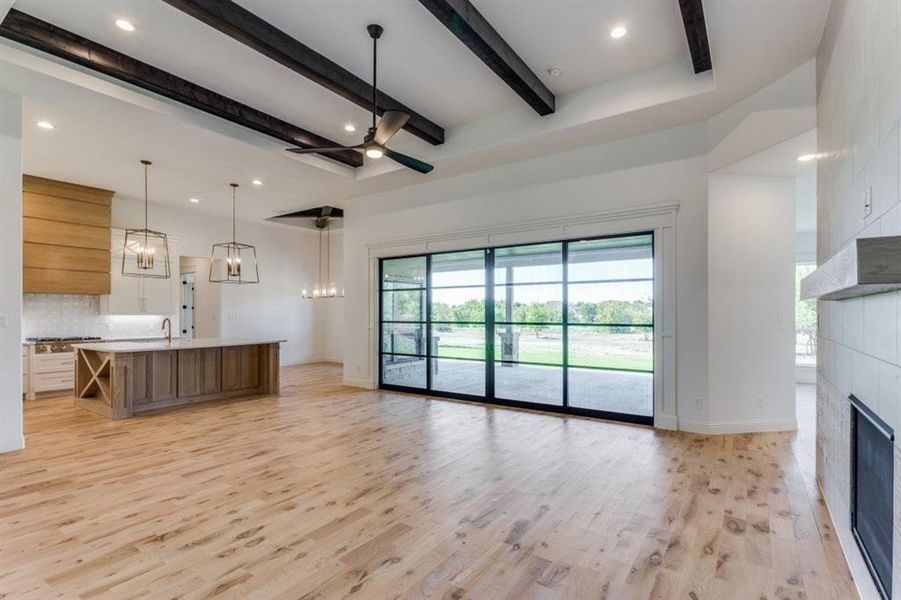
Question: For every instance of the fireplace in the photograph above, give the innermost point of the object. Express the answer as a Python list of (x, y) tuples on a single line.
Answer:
[(872, 491)]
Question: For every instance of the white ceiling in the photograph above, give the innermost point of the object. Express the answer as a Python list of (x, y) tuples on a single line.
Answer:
[(780, 160), (607, 89)]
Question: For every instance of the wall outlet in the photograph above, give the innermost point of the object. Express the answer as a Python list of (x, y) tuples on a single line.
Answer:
[(868, 201), (698, 402)]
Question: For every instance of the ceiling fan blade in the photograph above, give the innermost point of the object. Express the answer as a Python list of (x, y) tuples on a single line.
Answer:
[(391, 122), (409, 161), (315, 213), (318, 150)]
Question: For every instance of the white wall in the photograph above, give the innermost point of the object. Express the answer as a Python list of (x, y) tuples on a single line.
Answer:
[(751, 281), (273, 308), (10, 273), (619, 180), (332, 337)]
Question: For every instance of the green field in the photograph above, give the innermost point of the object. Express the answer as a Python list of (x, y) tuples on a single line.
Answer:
[(615, 362)]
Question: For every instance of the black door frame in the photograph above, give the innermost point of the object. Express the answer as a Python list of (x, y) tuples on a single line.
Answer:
[(489, 324)]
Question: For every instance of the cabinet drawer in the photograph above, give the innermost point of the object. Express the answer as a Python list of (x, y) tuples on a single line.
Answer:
[(45, 382), (51, 363)]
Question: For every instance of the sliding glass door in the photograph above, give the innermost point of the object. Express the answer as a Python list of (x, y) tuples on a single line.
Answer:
[(564, 326)]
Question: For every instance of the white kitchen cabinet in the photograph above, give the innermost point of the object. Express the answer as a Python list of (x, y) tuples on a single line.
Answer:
[(139, 295)]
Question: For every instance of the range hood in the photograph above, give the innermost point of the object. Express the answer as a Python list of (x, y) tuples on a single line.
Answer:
[(864, 267)]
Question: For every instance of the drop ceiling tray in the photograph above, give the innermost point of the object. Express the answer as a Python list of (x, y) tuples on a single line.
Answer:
[(864, 267)]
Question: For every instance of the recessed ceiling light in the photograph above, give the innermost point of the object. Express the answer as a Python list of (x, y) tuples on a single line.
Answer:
[(125, 25), (257, 182), (554, 71), (194, 200), (374, 152), (618, 32), (807, 157), (45, 124), (350, 127)]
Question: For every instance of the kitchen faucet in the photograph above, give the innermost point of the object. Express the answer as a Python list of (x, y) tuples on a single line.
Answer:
[(167, 327)]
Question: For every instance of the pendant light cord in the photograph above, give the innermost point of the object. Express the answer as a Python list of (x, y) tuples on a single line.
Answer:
[(328, 253), (320, 256), (375, 45), (145, 194), (234, 217), (146, 164)]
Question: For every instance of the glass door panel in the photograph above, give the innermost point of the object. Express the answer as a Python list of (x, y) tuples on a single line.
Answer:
[(457, 316), (610, 314), (528, 330), (402, 327)]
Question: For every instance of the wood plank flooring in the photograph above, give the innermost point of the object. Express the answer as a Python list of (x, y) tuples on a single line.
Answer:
[(332, 492)]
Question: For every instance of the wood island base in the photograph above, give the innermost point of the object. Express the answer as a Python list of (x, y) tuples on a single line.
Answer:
[(121, 382)]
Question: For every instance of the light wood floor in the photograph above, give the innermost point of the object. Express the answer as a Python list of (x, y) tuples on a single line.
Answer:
[(331, 492)]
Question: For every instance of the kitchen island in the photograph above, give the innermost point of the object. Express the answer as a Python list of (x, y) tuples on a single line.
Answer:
[(121, 379)]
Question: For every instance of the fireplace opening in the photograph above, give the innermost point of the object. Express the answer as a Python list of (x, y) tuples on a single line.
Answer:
[(872, 491)]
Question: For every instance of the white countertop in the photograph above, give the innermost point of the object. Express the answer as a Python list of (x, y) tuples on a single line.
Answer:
[(130, 338), (175, 344)]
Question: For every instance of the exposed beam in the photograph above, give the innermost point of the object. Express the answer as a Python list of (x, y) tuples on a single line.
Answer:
[(696, 34), (249, 29), (471, 28), (43, 36)]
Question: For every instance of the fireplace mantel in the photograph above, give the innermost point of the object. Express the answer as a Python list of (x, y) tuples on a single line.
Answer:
[(865, 266)]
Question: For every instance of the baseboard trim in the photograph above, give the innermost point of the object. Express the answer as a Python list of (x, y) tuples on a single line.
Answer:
[(666, 422), (726, 427), (359, 383), (316, 361), (12, 445)]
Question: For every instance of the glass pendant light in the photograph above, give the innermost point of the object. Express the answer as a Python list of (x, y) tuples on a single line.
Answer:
[(145, 252), (324, 288), (234, 262)]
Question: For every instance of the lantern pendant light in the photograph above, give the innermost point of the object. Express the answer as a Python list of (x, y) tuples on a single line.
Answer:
[(234, 262), (145, 252)]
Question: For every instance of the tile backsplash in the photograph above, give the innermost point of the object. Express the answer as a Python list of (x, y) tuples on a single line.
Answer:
[(60, 315)]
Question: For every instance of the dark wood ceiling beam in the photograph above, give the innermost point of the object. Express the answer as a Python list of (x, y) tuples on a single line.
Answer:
[(696, 34), (43, 36), (242, 25), (477, 34)]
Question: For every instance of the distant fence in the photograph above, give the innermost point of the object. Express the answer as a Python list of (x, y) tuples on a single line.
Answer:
[(805, 346)]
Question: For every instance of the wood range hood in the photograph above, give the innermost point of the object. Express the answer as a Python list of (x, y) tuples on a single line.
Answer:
[(66, 237), (864, 267)]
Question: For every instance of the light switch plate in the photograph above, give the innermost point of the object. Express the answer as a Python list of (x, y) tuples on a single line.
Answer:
[(868, 201), (4, 321)]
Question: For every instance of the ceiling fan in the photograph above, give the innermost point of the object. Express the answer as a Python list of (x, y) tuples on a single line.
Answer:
[(321, 215), (391, 122)]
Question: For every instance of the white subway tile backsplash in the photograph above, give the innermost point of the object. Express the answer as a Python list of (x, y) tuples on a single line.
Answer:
[(60, 315), (880, 326)]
